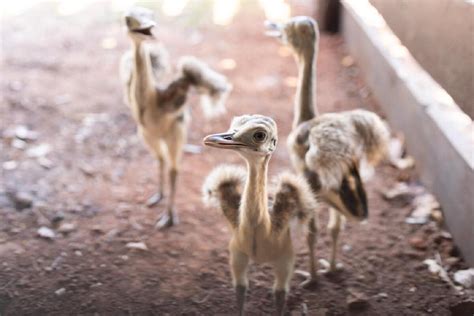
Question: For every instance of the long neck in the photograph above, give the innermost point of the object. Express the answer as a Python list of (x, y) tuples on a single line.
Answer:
[(254, 207), (305, 106), (142, 75)]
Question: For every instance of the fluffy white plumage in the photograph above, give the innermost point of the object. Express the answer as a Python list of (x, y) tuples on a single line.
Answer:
[(213, 87), (290, 197), (335, 141), (223, 175), (302, 191)]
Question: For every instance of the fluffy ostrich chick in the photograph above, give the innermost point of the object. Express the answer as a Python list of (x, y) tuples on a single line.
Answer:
[(328, 149), (260, 223), (159, 109)]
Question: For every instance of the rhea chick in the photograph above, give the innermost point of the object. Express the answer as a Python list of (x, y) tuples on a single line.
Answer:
[(160, 109), (261, 231), (328, 149)]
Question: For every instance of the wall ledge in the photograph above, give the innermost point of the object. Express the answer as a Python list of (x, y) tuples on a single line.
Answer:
[(438, 133)]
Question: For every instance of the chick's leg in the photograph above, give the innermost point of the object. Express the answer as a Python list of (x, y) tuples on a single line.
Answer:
[(311, 239), (175, 142), (283, 273), (238, 265), (156, 146), (334, 225), (159, 195)]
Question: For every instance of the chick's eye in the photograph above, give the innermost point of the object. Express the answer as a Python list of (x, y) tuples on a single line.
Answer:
[(259, 136)]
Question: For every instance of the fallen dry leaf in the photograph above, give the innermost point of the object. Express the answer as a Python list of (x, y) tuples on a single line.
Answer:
[(24, 133), (398, 190), (10, 165), (435, 267), (418, 243), (137, 245), (424, 205), (465, 278), (45, 232), (39, 151), (66, 228)]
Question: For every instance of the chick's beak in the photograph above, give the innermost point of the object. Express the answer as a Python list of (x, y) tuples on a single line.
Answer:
[(273, 29), (222, 140), (146, 31), (143, 27)]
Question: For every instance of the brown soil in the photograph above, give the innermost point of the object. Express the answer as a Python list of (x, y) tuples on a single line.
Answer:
[(59, 81)]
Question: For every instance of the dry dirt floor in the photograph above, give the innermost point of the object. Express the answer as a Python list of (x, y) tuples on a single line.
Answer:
[(85, 170)]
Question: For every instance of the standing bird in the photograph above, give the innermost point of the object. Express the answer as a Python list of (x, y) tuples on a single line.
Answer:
[(261, 231), (159, 109), (328, 149)]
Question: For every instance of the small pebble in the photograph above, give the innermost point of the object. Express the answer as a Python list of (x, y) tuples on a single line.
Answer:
[(356, 300), (418, 243), (60, 291), (137, 245), (10, 165), (465, 278), (22, 200), (45, 232), (18, 144), (58, 217), (96, 285), (66, 228)]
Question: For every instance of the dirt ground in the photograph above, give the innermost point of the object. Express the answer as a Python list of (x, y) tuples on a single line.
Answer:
[(59, 77)]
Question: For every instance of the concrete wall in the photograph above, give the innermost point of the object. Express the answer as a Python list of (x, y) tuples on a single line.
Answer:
[(440, 35), (437, 132)]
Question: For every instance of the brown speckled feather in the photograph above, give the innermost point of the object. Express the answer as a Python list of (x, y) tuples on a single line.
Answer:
[(293, 199), (174, 95), (223, 189), (213, 87), (330, 144)]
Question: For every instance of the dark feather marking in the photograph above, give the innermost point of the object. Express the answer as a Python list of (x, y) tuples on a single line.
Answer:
[(366, 134), (174, 96), (313, 180), (303, 133), (197, 76), (230, 202), (353, 195), (157, 63), (284, 207)]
